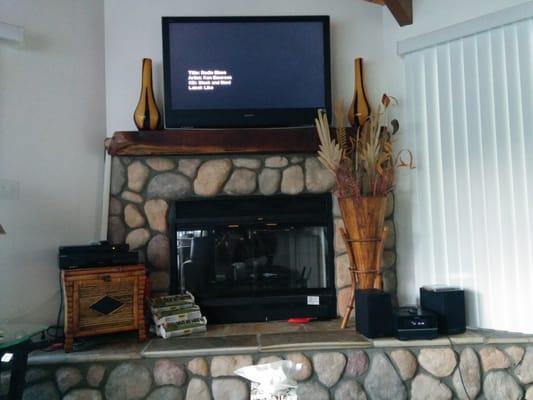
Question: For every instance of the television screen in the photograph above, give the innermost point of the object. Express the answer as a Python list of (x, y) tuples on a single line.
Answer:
[(245, 71)]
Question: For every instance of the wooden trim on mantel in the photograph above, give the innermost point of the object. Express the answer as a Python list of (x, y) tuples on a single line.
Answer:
[(214, 141)]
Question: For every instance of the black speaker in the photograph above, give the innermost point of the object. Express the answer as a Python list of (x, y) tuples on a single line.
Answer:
[(373, 313), (449, 305)]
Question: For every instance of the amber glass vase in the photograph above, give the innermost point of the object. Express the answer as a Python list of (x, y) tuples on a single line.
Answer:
[(359, 109), (146, 114)]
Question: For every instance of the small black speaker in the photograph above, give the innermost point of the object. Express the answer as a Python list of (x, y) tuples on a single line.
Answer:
[(373, 313), (449, 305)]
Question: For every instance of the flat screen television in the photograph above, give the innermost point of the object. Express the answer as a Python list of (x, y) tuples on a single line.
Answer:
[(227, 72)]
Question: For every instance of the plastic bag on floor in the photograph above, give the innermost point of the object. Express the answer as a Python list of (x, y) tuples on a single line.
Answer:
[(273, 380)]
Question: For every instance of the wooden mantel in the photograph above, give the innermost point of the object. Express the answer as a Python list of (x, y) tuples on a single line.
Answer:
[(402, 10), (213, 141)]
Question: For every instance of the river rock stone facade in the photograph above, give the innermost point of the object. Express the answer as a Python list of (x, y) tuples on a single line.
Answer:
[(373, 374), (142, 189)]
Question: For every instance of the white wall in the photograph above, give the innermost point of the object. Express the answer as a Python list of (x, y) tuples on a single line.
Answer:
[(429, 15), (133, 31), (52, 126)]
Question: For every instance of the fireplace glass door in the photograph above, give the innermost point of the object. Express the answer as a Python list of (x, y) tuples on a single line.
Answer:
[(265, 256), (253, 259)]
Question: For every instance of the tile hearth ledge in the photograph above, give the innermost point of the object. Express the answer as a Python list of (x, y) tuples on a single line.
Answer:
[(257, 338)]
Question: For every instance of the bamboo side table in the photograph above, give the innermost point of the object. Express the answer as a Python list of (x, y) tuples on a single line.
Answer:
[(103, 300)]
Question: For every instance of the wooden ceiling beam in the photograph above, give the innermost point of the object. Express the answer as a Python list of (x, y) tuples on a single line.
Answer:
[(402, 10)]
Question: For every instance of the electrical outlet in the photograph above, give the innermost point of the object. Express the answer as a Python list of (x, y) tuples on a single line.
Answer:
[(9, 189)]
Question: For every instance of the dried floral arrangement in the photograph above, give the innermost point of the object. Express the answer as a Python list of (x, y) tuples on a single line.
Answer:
[(361, 158)]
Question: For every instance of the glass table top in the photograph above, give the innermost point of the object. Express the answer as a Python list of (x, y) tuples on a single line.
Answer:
[(14, 333)]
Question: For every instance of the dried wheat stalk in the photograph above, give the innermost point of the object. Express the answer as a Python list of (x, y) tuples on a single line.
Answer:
[(330, 153)]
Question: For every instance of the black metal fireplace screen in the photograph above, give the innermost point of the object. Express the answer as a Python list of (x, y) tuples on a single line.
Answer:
[(255, 258)]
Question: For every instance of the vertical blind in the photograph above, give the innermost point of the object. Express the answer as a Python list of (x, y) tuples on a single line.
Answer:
[(470, 105)]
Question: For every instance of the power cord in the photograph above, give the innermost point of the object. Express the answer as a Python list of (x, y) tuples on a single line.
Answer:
[(459, 368), (56, 331)]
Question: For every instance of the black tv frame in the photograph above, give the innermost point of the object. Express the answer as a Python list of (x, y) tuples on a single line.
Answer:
[(243, 118)]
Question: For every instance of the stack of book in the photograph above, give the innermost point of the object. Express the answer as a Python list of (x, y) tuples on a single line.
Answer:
[(176, 315)]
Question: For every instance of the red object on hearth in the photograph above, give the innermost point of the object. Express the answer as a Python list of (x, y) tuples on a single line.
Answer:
[(303, 320)]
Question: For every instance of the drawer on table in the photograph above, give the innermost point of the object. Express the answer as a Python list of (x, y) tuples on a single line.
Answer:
[(106, 303)]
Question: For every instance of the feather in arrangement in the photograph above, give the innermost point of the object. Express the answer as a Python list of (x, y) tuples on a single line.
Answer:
[(363, 164), (330, 153)]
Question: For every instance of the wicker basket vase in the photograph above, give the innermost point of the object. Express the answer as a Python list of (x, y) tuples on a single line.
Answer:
[(364, 234)]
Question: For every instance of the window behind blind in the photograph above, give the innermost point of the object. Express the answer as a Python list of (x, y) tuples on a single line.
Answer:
[(470, 106)]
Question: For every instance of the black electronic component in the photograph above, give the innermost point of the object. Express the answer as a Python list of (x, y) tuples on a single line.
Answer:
[(373, 313), (449, 305), (411, 323), (98, 255)]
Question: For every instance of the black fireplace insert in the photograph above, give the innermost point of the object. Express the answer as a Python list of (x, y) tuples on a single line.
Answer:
[(255, 258)]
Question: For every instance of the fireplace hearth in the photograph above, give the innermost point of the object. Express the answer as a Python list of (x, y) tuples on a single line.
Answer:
[(255, 258)]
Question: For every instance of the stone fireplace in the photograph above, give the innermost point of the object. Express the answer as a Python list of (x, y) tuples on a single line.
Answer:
[(143, 188)]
